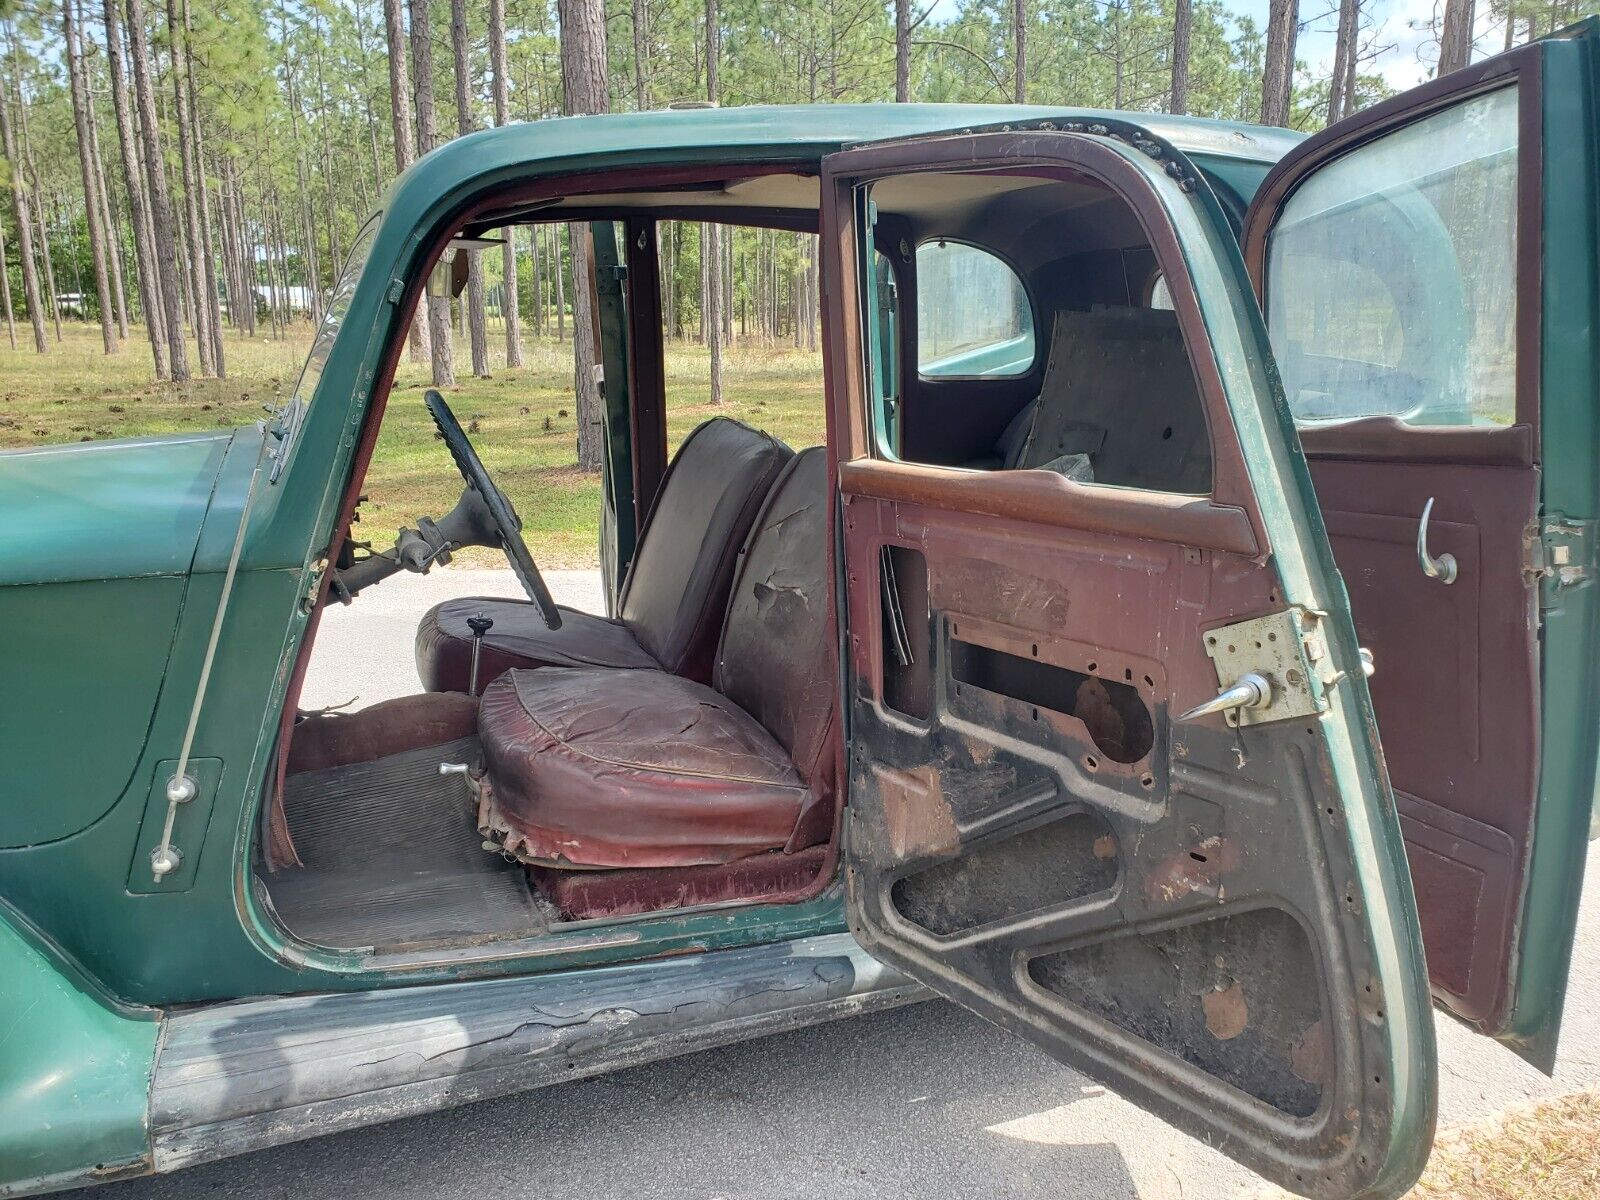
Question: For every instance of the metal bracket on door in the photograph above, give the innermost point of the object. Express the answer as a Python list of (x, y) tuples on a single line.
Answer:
[(1560, 554), (1271, 668)]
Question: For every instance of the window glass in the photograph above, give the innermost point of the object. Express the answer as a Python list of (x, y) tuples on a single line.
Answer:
[(338, 304), (1160, 294), (973, 315), (1391, 274)]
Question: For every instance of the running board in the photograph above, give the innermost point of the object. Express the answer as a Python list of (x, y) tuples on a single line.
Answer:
[(238, 1077)]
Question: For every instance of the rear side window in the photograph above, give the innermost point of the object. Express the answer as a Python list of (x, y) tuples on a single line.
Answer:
[(1391, 274), (973, 314)]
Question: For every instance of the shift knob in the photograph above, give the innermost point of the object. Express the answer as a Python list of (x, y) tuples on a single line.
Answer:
[(479, 624)]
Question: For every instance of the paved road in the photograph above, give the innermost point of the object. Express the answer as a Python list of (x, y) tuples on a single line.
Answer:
[(923, 1102)]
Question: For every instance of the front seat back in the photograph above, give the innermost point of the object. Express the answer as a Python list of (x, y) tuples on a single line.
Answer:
[(776, 657), (673, 598)]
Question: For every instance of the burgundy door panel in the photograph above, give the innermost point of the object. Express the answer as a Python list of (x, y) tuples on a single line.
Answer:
[(1455, 693)]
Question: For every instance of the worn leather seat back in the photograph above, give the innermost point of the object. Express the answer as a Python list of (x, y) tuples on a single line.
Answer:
[(1119, 388), (674, 597), (605, 768), (776, 657)]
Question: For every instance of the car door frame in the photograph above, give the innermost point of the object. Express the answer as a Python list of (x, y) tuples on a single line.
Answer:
[(1260, 483), (1556, 431)]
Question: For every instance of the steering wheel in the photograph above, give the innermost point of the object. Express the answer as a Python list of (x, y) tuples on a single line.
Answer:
[(507, 525)]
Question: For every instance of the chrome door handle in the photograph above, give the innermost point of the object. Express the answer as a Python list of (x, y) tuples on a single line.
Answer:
[(1252, 691), (1442, 568)]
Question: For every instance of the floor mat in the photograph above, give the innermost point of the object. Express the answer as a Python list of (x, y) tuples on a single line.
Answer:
[(392, 857)]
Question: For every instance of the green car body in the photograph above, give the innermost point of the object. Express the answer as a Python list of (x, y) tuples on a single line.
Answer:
[(113, 559)]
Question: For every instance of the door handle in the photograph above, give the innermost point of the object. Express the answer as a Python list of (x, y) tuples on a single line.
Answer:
[(1442, 568), (1251, 691)]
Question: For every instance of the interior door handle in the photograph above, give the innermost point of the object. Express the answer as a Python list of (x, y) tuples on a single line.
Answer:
[(1251, 691), (1442, 568)]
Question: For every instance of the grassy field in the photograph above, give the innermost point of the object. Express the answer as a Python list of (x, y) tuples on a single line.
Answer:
[(522, 421)]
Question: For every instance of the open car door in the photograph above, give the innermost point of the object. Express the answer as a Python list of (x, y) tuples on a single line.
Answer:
[(1210, 912), (1427, 270)]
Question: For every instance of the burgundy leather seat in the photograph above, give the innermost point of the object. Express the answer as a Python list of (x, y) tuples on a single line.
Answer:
[(606, 768), (673, 599)]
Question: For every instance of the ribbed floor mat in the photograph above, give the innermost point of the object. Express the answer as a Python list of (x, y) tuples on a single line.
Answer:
[(392, 857)]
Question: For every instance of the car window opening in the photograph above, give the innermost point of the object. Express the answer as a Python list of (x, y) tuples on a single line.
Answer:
[(1024, 324)]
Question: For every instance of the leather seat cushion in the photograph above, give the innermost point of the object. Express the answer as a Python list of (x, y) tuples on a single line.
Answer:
[(519, 639), (625, 768)]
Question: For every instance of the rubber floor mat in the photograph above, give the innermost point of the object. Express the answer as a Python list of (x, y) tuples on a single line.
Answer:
[(393, 857)]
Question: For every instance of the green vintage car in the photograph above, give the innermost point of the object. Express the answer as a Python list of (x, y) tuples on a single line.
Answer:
[(1042, 686)]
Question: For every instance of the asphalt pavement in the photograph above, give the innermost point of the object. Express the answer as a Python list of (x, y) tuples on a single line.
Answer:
[(926, 1101)]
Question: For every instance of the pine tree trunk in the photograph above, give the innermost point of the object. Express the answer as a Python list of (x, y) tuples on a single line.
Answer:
[(5, 289), (477, 332), (1341, 101), (211, 295), (108, 220), (510, 301), (560, 273), (641, 76), (711, 259), (138, 203), (583, 84), (51, 292), (1182, 30), (1455, 38), (163, 237), (1277, 82), (902, 51), (91, 193), (441, 343), (19, 204), (177, 47), (1019, 51), (394, 31)]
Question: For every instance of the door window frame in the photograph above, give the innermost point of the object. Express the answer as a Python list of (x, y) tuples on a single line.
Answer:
[(1518, 68), (1227, 520)]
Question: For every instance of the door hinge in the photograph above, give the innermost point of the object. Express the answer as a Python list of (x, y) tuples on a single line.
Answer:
[(1558, 553), (313, 588)]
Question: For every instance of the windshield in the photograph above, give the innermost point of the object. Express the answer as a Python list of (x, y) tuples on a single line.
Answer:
[(289, 418)]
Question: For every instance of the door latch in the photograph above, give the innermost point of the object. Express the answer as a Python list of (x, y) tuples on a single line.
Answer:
[(1272, 668)]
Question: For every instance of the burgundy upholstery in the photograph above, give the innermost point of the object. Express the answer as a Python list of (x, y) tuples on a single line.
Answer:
[(591, 895), (519, 638), (339, 739), (606, 768), (672, 603)]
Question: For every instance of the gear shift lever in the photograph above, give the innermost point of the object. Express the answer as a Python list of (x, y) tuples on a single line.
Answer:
[(480, 625)]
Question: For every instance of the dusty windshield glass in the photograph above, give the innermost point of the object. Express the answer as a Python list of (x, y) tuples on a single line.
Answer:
[(333, 318), (1391, 274), (288, 419)]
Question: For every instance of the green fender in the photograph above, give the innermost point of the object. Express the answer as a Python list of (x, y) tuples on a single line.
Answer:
[(74, 1073)]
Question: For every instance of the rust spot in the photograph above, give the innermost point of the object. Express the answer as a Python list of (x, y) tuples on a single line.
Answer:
[(981, 751), (915, 812), (1195, 870), (1311, 1056), (1227, 1014), (1105, 846)]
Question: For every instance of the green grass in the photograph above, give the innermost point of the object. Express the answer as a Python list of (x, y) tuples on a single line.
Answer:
[(522, 421)]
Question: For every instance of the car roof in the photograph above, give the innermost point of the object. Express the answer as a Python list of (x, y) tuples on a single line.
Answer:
[(772, 133)]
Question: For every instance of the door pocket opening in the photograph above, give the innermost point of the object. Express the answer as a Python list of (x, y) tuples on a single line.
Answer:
[(1116, 716)]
